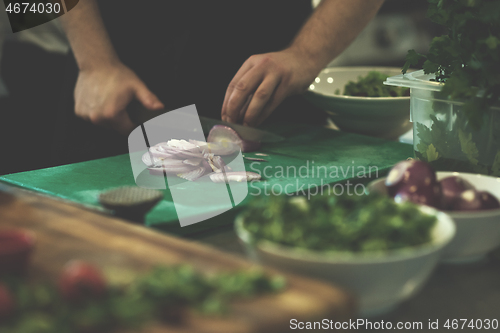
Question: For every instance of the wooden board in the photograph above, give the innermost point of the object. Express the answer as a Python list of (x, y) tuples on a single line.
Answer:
[(121, 249)]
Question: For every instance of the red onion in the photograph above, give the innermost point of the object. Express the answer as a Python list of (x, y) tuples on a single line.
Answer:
[(472, 200), (216, 148), (225, 134), (452, 187), (423, 195), (237, 176), (467, 200), (408, 173), (488, 201)]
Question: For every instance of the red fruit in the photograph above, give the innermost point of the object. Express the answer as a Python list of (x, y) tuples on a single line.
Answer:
[(81, 280), (7, 303)]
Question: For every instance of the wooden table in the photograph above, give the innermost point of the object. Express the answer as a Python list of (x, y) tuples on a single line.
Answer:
[(65, 231)]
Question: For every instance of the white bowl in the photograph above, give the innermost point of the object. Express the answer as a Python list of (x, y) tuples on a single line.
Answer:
[(379, 280), (385, 117), (477, 232)]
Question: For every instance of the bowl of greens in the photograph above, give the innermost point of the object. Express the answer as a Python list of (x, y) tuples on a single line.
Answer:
[(356, 100), (381, 251)]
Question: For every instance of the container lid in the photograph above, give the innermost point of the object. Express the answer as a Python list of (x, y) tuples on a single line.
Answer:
[(416, 79)]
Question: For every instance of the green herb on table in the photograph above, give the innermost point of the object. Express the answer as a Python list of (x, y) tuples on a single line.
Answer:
[(338, 223), (165, 294), (372, 86)]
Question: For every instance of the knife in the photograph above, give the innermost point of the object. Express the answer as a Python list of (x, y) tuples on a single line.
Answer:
[(139, 115)]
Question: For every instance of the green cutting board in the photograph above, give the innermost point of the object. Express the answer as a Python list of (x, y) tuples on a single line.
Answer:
[(309, 158)]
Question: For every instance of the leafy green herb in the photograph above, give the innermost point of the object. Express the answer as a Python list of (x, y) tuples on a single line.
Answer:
[(338, 223), (467, 59), (163, 294), (467, 62), (372, 86)]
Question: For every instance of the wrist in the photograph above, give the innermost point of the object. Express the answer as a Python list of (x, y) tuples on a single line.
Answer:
[(313, 62), (96, 63)]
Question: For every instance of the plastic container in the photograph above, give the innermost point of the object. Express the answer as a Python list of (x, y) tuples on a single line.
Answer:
[(442, 134)]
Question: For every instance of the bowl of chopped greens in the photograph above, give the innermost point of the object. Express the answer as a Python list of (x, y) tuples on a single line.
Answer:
[(356, 100), (380, 250)]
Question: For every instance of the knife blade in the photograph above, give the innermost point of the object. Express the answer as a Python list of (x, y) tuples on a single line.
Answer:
[(139, 115)]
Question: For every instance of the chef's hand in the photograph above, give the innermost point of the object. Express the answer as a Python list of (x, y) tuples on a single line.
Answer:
[(265, 80), (102, 95)]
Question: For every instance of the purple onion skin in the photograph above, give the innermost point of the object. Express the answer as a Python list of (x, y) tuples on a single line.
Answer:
[(488, 201), (468, 200), (420, 194), (219, 132), (452, 187), (408, 173)]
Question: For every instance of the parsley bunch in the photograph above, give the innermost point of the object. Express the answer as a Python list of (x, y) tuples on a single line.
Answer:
[(467, 60)]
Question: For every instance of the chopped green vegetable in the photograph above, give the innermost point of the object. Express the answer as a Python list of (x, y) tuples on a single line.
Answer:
[(372, 86), (163, 294), (338, 223)]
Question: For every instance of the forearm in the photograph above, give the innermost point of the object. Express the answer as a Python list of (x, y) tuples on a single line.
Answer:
[(88, 37), (331, 28)]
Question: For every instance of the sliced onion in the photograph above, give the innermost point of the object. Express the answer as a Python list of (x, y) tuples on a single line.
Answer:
[(237, 176), (255, 159), (193, 161), (206, 165), (184, 154), (159, 151), (180, 149), (220, 164), (225, 134), (182, 144), (171, 169), (146, 159), (193, 174)]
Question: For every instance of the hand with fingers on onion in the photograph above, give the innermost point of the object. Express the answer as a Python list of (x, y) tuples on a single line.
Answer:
[(262, 83), (265, 80)]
